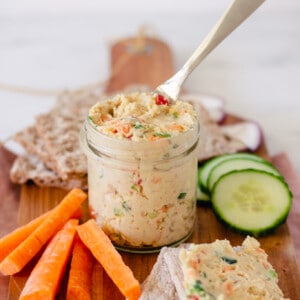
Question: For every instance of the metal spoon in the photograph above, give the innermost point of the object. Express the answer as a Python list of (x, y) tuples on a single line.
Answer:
[(235, 14)]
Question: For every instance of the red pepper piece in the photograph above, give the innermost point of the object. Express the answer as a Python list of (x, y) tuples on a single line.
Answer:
[(161, 100)]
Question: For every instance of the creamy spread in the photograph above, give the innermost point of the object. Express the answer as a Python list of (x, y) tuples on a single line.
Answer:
[(142, 116), (219, 271), (142, 169)]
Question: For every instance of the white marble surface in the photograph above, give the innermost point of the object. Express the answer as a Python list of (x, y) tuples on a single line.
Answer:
[(64, 44)]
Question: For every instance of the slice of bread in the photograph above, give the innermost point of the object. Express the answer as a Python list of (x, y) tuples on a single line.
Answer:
[(159, 285), (216, 271)]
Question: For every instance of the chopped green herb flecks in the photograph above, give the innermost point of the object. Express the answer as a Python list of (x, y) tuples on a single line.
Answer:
[(91, 119), (197, 290), (134, 187), (118, 212), (117, 236), (197, 287), (181, 196), (272, 273), (166, 155), (229, 260), (153, 214), (175, 114), (137, 187), (138, 126), (126, 207), (162, 134)]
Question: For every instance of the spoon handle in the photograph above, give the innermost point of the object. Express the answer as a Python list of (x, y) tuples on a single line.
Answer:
[(235, 14)]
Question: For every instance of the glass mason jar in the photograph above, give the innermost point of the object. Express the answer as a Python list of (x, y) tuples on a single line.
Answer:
[(142, 194)]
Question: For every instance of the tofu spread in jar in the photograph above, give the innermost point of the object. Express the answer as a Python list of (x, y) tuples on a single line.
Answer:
[(142, 169)]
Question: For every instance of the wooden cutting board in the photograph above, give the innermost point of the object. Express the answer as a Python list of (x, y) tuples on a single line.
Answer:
[(152, 65)]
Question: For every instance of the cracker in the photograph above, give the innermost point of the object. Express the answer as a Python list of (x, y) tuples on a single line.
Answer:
[(59, 130), (33, 143), (30, 168), (54, 157), (212, 140), (61, 138)]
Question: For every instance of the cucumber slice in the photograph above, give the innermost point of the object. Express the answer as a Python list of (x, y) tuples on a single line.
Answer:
[(238, 164), (201, 196), (251, 201), (205, 170)]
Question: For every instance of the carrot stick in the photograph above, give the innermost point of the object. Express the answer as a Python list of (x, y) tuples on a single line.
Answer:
[(45, 278), (80, 276), (22, 254), (103, 250), (10, 241)]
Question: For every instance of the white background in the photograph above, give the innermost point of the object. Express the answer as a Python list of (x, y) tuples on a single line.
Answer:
[(65, 44)]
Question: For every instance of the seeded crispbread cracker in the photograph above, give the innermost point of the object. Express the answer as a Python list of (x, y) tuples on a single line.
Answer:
[(39, 164), (212, 140), (59, 130), (61, 137), (33, 143), (30, 168), (44, 163)]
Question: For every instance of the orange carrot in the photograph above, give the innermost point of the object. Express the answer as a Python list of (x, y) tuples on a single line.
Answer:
[(103, 250), (154, 138), (105, 118), (22, 254), (10, 241), (175, 127), (228, 288), (77, 214), (80, 276), (124, 128), (45, 278)]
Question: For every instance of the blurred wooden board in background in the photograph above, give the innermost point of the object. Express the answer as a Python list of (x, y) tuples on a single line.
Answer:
[(139, 60)]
